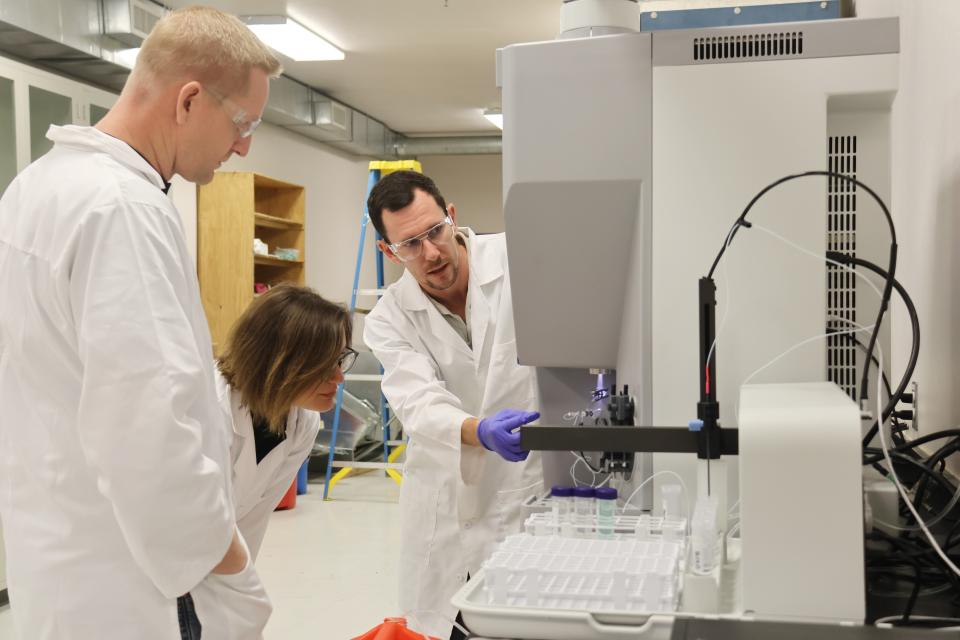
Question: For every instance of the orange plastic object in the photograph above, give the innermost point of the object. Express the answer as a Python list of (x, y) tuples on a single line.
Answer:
[(289, 500), (393, 629)]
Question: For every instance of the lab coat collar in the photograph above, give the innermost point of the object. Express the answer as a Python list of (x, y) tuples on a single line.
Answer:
[(487, 265), (92, 139), (225, 391), (484, 269)]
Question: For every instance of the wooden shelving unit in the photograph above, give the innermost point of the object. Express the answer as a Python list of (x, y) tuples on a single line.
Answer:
[(273, 222), (232, 210), (273, 261)]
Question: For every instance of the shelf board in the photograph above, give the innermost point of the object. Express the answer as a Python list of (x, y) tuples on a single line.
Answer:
[(275, 262), (272, 183), (273, 222)]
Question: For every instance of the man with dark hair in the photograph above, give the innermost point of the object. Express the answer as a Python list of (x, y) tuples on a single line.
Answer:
[(444, 334)]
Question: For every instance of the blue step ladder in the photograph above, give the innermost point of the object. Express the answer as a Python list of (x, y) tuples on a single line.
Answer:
[(389, 464)]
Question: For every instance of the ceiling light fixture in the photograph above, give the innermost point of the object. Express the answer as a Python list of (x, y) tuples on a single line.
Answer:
[(494, 116), (292, 39)]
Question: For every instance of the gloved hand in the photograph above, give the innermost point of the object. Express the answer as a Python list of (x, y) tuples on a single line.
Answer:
[(501, 434)]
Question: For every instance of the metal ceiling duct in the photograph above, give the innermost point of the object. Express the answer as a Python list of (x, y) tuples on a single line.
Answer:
[(51, 27), (329, 120), (130, 21), (81, 38), (462, 145), (289, 104), (63, 35)]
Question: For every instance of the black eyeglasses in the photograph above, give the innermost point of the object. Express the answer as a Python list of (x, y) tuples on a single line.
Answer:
[(347, 359)]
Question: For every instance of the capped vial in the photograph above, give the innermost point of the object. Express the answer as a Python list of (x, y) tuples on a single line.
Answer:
[(583, 500), (606, 499)]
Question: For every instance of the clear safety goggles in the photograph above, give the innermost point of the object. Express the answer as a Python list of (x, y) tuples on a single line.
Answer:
[(238, 116), (412, 248)]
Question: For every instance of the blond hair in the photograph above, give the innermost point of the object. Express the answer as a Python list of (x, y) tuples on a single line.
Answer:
[(287, 341), (206, 45)]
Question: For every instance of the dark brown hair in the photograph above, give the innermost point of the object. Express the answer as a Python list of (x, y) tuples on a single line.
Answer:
[(287, 341), (397, 190)]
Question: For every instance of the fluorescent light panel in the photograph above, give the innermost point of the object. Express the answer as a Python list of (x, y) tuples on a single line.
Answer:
[(292, 39), (495, 117)]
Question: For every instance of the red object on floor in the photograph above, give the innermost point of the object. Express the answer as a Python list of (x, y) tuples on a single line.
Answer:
[(393, 629), (289, 500)]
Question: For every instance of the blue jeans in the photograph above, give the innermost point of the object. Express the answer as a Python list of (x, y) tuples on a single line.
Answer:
[(187, 615)]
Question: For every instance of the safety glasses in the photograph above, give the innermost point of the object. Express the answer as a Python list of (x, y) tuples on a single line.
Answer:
[(412, 248), (237, 115)]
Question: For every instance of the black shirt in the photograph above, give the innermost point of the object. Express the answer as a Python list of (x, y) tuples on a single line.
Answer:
[(265, 440)]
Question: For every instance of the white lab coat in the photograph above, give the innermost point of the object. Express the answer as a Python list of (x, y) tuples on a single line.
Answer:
[(234, 607), (258, 488), (455, 501), (113, 447)]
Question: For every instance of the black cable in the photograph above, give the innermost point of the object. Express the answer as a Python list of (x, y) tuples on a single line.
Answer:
[(896, 426), (945, 451), (927, 567), (919, 466), (896, 432), (589, 466), (837, 331), (899, 547), (891, 270), (916, 442), (914, 327), (949, 541)]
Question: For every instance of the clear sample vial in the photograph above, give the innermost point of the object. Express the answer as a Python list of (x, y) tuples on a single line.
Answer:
[(561, 500), (583, 502), (671, 501), (704, 537), (606, 499)]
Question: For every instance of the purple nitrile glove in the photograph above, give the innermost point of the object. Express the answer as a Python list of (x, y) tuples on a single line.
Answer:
[(501, 433)]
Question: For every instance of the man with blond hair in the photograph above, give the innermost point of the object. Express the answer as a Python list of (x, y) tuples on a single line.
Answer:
[(114, 462)]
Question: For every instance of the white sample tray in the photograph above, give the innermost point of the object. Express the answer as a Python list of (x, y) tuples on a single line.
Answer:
[(486, 620), (502, 621), (581, 574)]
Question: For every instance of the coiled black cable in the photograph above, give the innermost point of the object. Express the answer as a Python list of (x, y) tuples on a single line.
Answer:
[(914, 327), (741, 221)]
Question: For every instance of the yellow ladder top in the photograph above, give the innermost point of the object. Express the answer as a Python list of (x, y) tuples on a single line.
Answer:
[(389, 166)]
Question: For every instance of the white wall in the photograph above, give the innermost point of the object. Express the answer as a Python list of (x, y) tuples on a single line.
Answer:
[(474, 183), (3, 564), (926, 197)]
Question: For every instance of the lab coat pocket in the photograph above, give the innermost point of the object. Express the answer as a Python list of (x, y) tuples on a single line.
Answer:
[(232, 607)]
